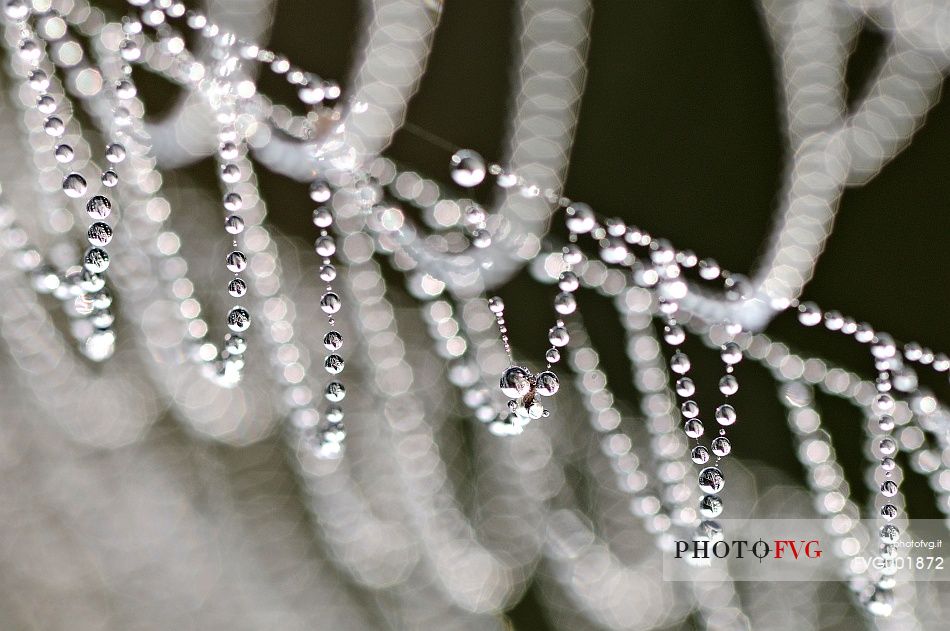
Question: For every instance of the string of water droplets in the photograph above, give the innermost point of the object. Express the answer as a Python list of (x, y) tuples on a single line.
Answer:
[(151, 16)]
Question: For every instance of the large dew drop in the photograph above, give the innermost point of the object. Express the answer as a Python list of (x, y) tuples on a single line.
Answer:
[(468, 168), (74, 185)]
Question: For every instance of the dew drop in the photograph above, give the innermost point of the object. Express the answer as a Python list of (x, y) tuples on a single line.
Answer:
[(333, 341), (98, 207), (700, 454), (115, 153), (325, 246), (335, 391), (467, 168), (728, 385), (711, 480), (74, 185), (236, 261), (233, 202), (64, 153), (99, 233), (685, 387), (320, 191), (234, 225), (481, 238), (237, 287), (327, 273), (710, 506), (330, 303), (239, 319), (721, 446), (515, 382), (725, 414), (322, 217), (95, 260), (334, 364)]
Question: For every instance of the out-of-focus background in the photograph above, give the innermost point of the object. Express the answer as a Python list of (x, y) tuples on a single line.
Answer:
[(679, 133)]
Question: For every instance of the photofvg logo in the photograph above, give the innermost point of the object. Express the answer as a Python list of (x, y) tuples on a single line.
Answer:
[(703, 549), (805, 550)]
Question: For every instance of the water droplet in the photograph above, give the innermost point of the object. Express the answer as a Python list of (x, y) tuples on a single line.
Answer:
[(515, 382), (325, 246), (558, 336), (710, 506), (709, 269), (311, 94), (679, 363), (547, 383), (690, 409), (700, 454), (572, 254), (98, 207), (236, 261), (124, 89), (475, 215), (889, 488), (95, 260), (322, 217), (320, 191), (888, 446), (235, 344), (230, 173), (564, 303), (834, 320), (334, 414), (711, 480), (883, 404), (693, 428), (890, 533), (613, 250), (496, 304), (74, 185), (674, 334), (889, 511), (239, 319), (467, 168), (234, 225), (725, 414), (731, 354), (233, 202), (129, 50), (721, 446), (16, 9), (91, 282), (327, 273), (481, 238), (333, 364), (881, 602), (728, 385), (102, 319), (54, 126), (330, 302), (685, 387), (64, 153), (237, 287), (115, 153), (552, 356), (335, 391), (46, 104), (38, 80), (579, 218), (99, 233), (333, 341)]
